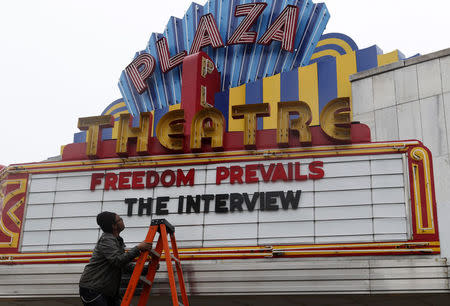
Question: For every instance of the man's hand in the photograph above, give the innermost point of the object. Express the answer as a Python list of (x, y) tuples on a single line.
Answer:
[(144, 246)]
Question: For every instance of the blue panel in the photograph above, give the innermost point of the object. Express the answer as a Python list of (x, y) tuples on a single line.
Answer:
[(238, 53), (79, 137), (245, 63), (135, 121), (367, 58), (158, 77), (306, 7), (254, 95), (230, 51), (257, 50), (190, 24), (321, 22), (327, 79), (125, 88), (271, 51), (107, 133), (317, 24), (221, 102), (174, 76), (225, 10), (289, 86), (157, 115)]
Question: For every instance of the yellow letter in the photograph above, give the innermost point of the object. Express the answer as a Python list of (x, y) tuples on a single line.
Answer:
[(93, 135), (170, 130), (301, 125), (142, 133), (207, 123), (335, 119), (250, 112)]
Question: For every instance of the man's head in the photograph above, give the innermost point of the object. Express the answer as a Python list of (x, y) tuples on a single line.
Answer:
[(110, 222)]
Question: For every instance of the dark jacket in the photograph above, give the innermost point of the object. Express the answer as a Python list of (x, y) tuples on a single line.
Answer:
[(104, 270)]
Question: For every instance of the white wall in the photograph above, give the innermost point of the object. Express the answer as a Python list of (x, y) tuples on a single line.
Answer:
[(411, 100)]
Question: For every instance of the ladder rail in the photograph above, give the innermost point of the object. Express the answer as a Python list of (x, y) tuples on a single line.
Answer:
[(173, 285), (128, 296), (179, 270), (151, 273), (165, 229)]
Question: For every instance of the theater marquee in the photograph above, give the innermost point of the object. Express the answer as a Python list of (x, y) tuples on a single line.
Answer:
[(246, 145), (365, 199)]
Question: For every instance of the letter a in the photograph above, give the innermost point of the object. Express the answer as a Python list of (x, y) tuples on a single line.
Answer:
[(282, 29), (206, 34)]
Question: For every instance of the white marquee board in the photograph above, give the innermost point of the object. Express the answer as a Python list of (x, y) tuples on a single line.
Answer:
[(360, 199)]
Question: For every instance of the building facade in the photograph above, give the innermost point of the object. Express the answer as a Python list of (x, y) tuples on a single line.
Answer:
[(300, 175)]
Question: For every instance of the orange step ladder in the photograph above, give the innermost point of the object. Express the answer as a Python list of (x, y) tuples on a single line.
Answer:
[(164, 228)]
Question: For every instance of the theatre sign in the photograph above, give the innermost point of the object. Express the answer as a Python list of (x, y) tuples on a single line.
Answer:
[(246, 144)]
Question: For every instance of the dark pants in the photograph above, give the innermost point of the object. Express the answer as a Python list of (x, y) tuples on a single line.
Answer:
[(94, 298)]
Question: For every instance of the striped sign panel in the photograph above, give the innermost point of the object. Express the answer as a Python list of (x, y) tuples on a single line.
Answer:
[(238, 63)]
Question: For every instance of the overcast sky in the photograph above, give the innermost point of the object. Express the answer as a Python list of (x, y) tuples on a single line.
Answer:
[(61, 59)]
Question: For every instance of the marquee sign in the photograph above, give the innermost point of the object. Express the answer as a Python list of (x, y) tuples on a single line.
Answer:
[(367, 199), (236, 126)]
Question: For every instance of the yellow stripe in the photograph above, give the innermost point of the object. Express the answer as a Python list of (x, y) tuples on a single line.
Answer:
[(252, 157), (335, 41), (391, 147), (308, 89), (237, 97), (330, 52), (174, 107), (119, 105), (152, 134), (271, 95), (388, 58)]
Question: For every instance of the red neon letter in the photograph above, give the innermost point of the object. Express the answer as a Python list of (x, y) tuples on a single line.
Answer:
[(283, 29), (221, 174), (242, 35), (167, 62), (206, 34), (96, 179), (140, 69)]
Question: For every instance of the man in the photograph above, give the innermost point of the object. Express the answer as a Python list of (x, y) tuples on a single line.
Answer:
[(100, 281)]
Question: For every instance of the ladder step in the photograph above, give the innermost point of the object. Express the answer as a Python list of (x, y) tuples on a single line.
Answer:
[(175, 259), (145, 280), (154, 253)]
